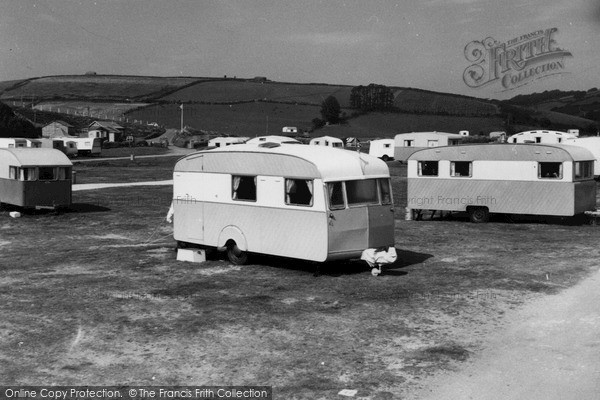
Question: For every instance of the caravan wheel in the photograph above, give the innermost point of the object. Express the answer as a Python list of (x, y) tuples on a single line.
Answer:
[(479, 214), (235, 255)]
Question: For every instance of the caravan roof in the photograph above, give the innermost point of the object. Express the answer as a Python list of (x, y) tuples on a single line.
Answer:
[(272, 139), (322, 162), (505, 152), (28, 156)]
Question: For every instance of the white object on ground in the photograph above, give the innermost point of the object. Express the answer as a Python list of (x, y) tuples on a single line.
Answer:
[(15, 214), (191, 255)]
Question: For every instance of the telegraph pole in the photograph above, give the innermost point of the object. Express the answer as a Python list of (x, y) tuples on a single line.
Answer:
[(181, 108)]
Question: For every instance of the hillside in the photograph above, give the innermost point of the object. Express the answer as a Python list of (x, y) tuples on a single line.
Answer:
[(251, 107)]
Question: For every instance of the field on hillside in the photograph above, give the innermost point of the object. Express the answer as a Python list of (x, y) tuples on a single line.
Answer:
[(389, 124), (241, 90), (247, 119), (96, 87), (95, 296), (417, 101), (113, 111)]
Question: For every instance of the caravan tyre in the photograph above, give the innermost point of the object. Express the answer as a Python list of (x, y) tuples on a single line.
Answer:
[(479, 215), (236, 256)]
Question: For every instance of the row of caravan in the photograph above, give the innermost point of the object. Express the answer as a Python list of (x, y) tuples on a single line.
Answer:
[(324, 203), (71, 146)]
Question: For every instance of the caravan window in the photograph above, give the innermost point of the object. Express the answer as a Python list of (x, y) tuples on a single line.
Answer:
[(243, 187), (385, 191), (337, 144), (408, 143), (428, 168), (461, 168), (13, 172), (550, 170), (362, 192), (27, 174), (335, 191), (584, 169), (64, 173), (299, 192), (47, 174)]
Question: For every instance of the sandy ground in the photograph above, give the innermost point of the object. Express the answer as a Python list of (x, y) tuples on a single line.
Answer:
[(550, 349)]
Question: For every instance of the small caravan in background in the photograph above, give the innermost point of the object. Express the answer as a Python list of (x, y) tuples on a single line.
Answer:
[(12, 143), (498, 178), (382, 148), (406, 144), (306, 202), (226, 141), (35, 177), (327, 141), (541, 136), (273, 139)]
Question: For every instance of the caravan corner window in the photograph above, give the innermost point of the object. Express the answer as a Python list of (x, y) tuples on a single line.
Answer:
[(243, 187), (362, 192), (13, 172), (385, 191), (550, 170), (428, 168), (584, 169), (336, 195), (299, 192), (461, 168)]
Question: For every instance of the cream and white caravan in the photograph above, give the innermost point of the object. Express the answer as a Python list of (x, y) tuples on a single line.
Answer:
[(226, 141), (85, 146), (407, 143), (273, 139), (382, 148), (592, 144), (327, 141), (500, 178), (12, 143), (69, 146), (311, 203), (540, 136)]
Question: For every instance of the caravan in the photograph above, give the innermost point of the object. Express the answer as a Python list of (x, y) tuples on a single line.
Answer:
[(35, 178), (406, 144), (382, 148), (12, 143), (226, 141), (498, 178), (312, 203), (327, 141)]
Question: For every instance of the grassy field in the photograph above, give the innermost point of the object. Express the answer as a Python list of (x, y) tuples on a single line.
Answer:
[(97, 87), (247, 119), (95, 296), (241, 90), (411, 100), (388, 125)]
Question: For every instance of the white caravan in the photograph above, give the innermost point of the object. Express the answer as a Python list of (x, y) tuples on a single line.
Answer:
[(382, 148), (313, 203)]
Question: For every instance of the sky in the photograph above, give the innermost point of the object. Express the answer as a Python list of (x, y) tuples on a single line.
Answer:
[(412, 43)]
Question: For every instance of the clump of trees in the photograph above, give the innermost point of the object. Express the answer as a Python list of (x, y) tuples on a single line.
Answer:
[(372, 98), (12, 125)]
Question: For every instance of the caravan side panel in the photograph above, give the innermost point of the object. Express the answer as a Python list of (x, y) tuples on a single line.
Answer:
[(511, 197), (204, 206)]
